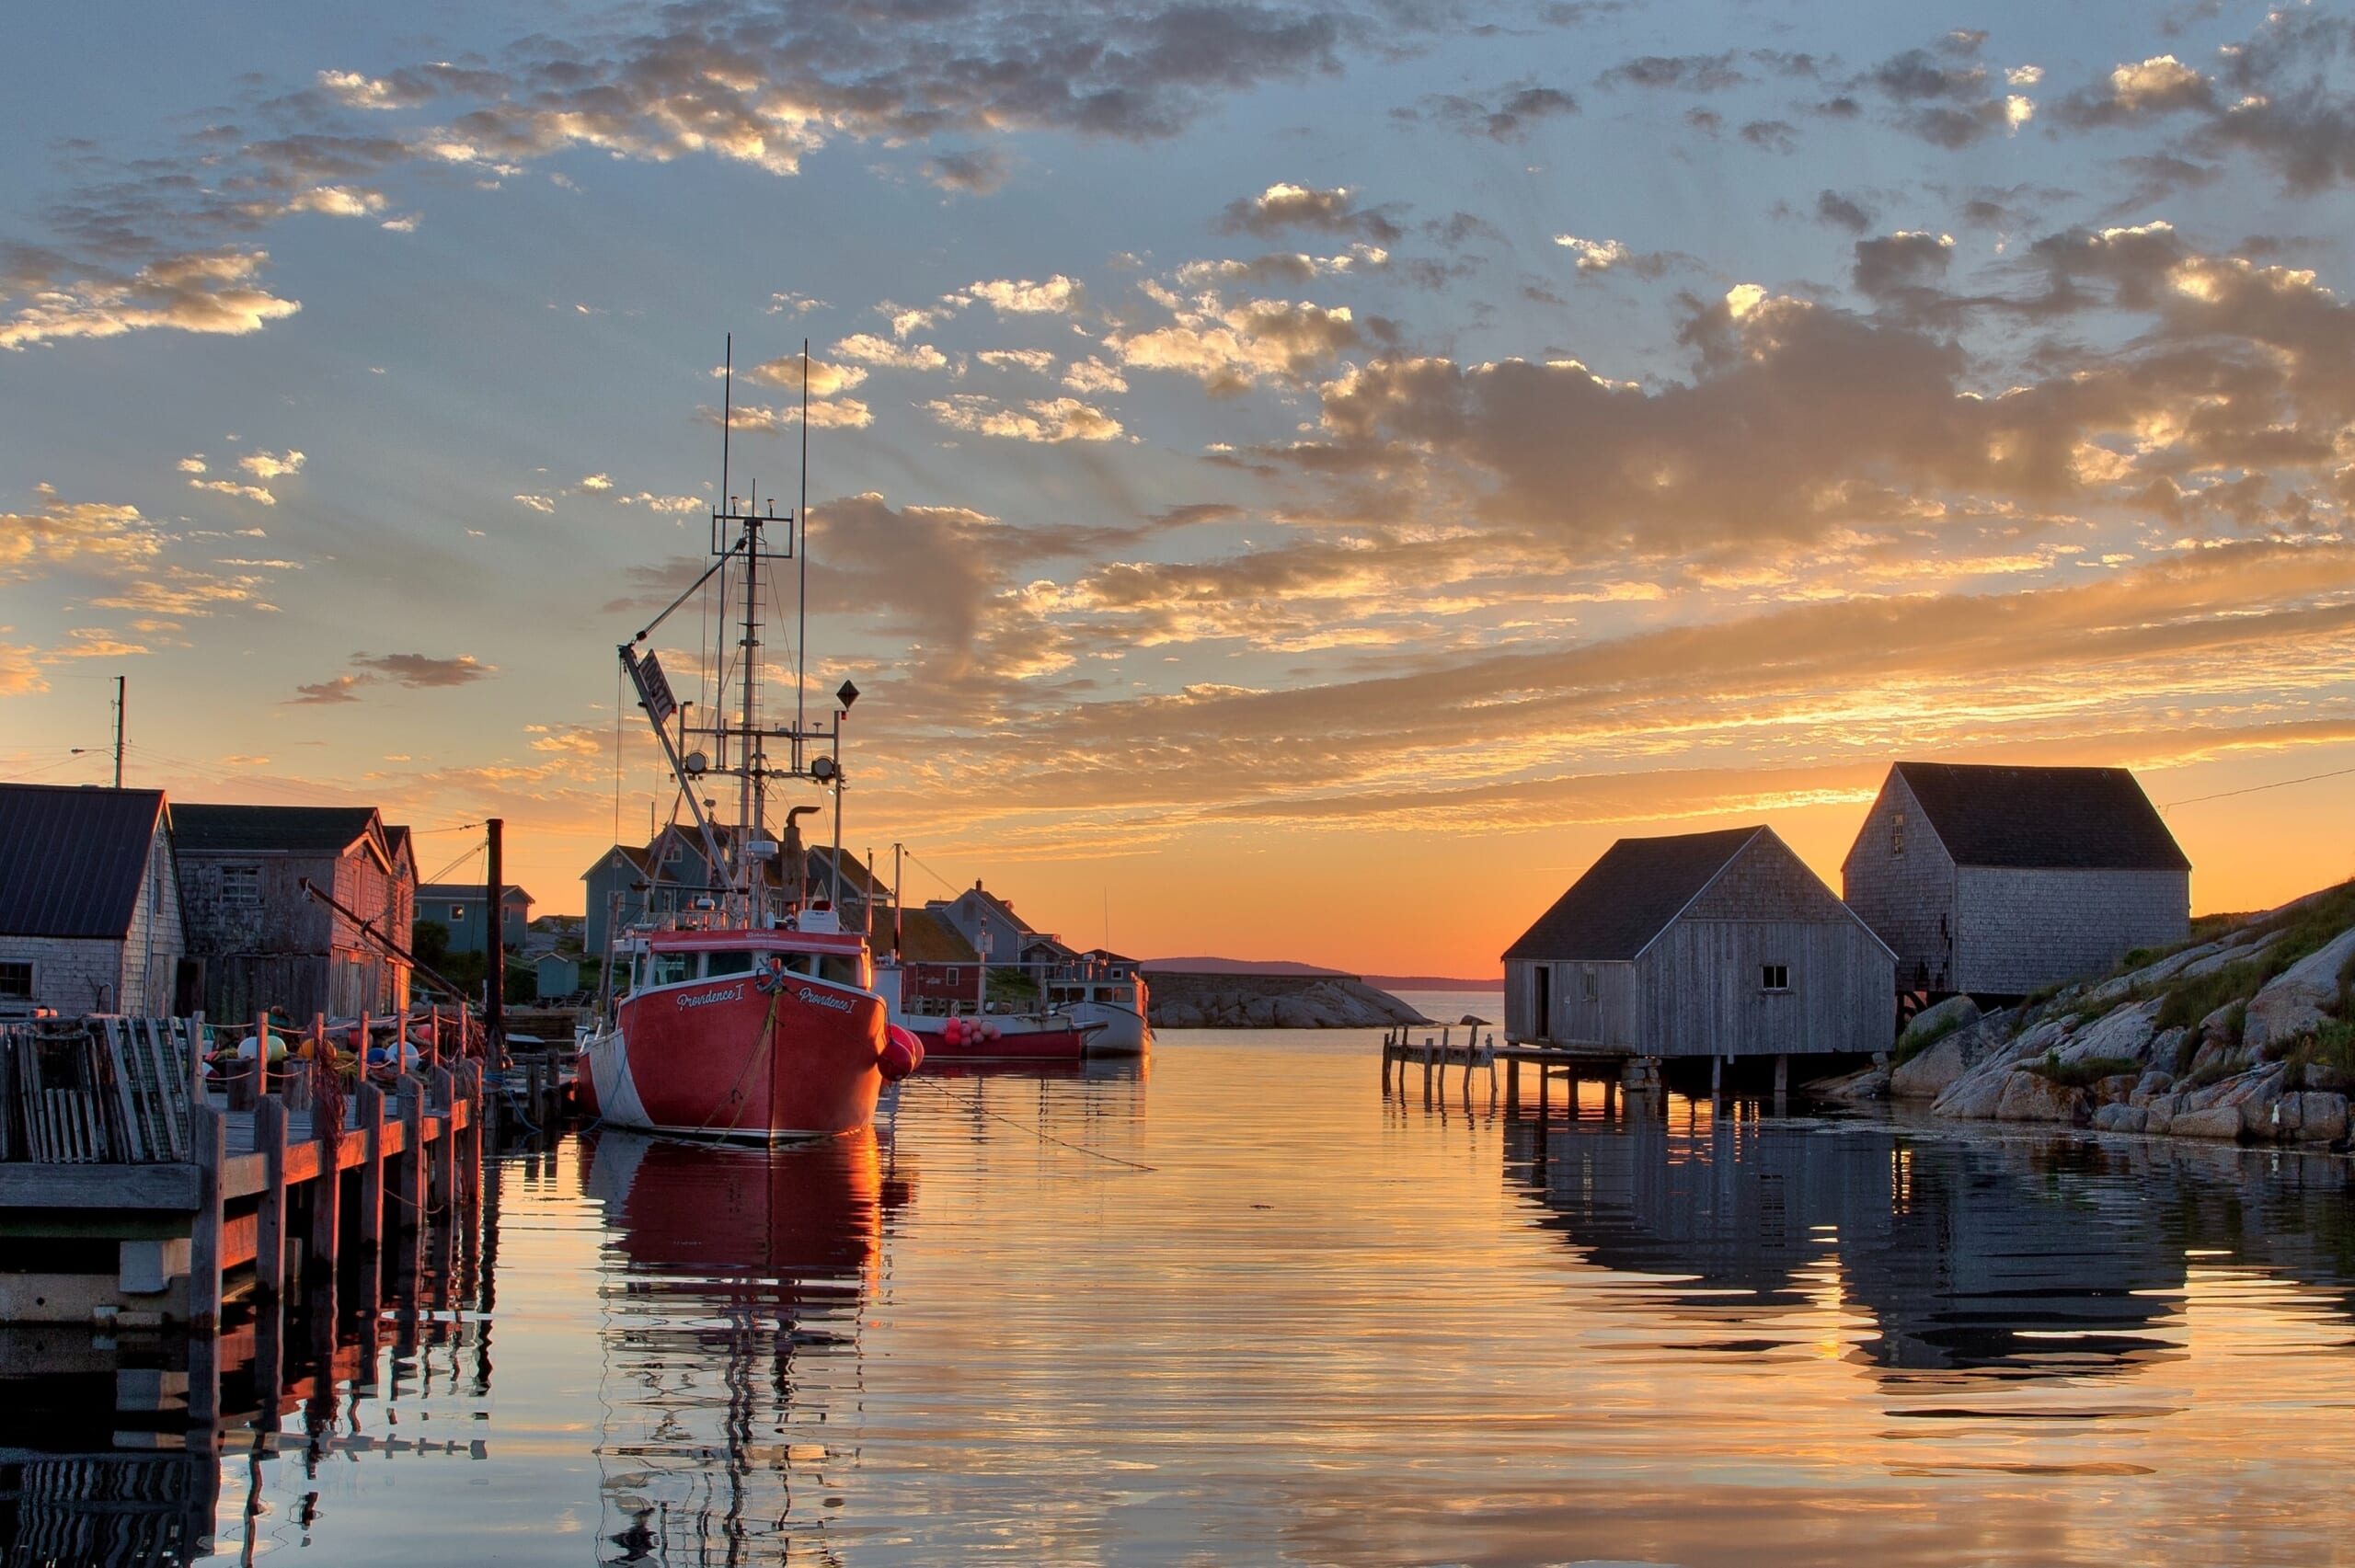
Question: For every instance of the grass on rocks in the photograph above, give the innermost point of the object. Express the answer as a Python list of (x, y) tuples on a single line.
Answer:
[(2086, 1073)]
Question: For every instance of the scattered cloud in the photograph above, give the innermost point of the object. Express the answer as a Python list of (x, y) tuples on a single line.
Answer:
[(1045, 420), (1286, 206), (204, 292)]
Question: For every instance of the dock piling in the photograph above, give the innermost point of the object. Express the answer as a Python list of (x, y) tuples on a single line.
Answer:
[(269, 1219)]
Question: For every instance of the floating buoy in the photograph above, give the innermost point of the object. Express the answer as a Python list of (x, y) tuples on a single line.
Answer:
[(953, 1032), (902, 1053)]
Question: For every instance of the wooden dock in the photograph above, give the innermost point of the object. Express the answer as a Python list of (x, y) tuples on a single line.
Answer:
[(1616, 1071), (147, 1243)]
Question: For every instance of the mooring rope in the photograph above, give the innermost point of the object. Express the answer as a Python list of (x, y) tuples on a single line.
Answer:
[(1038, 1133)]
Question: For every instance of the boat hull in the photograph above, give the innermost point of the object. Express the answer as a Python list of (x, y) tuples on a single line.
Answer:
[(724, 1059), (1017, 1040), (1121, 1031)]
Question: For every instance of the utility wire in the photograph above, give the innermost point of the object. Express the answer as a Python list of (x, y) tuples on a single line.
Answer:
[(2253, 789)]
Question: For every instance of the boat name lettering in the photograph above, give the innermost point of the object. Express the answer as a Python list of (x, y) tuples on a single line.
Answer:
[(825, 999), (707, 997)]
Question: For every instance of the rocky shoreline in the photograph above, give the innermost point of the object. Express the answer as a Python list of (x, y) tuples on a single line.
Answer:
[(2246, 1033), (1273, 1002)]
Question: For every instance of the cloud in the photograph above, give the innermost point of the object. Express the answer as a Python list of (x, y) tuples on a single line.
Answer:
[(340, 689), (675, 505), (837, 414), (1889, 266), (1058, 295), (1229, 348), (1036, 360), (870, 350), (204, 292), (415, 671), (269, 465), (1092, 375), (254, 493), (1511, 115), (825, 380), (1611, 254), (1945, 94), (1045, 420), (1286, 206), (597, 482), (537, 503), (194, 464), (1842, 212), (2161, 84), (1688, 72), (978, 173), (418, 672), (75, 536)]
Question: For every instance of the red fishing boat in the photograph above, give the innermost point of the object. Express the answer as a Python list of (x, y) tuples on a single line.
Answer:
[(751, 1014), (1015, 1036)]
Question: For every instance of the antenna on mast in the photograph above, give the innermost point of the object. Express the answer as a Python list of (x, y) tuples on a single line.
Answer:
[(727, 414)]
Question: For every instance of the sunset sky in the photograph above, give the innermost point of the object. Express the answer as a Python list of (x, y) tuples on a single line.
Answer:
[(1291, 481)]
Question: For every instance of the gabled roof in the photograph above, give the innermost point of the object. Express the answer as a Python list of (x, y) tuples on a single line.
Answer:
[(1630, 896), (2054, 819), (856, 876), (274, 830), (632, 856), (71, 859), (447, 891), (398, 843), (989, 900)]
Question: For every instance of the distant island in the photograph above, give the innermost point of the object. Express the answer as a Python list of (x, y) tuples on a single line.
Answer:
[(1243, 993)]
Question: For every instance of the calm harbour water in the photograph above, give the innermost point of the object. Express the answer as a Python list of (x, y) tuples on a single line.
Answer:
[(1324, 1327)]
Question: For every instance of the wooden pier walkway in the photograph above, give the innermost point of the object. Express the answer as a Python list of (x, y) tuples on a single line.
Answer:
[(1615, 1071), (140, 1244)]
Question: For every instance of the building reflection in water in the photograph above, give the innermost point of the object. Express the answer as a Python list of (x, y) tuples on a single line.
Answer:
[(1976, 1257), (732, 1372)]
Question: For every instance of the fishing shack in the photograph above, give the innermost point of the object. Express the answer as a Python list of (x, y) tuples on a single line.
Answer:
[(1998, 881), (1700, 944)]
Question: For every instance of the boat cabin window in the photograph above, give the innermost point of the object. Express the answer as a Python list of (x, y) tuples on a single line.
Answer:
[(1123, 993), (727, 962), (670, 968), (840, 967)]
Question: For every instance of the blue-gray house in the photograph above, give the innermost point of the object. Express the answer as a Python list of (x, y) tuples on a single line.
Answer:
[(460, 905)]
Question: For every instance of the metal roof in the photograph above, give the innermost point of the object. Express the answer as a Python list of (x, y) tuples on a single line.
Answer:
[(71, 859), (2051, 818), (1630, 896)]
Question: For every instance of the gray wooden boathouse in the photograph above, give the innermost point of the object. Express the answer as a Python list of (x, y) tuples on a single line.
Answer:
[(1998, 881), (1700, 944)]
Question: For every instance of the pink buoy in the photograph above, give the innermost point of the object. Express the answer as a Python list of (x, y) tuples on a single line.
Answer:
[(953, 1032), (902, 1053)]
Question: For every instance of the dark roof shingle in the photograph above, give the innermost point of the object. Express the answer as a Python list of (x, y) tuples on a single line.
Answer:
[(1629, 895), (262, 830), (2057, 819), (926, 937), (71, 859)]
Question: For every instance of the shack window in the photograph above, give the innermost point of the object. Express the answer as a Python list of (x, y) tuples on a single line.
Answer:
[(1775, 977), (241, 886), (948, 976), (1585, 985), (17, 978), (727, 962), (670, 968), (1897, 832)]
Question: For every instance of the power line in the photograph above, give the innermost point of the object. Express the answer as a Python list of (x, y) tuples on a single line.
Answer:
[(2253, 789)]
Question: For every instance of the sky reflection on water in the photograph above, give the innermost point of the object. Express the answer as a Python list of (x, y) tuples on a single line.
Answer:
[(1327, 1328)]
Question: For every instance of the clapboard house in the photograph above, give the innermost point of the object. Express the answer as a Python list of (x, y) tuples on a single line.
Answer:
[(1699, 945), (1999, 881), (89, 903), (259, 941)]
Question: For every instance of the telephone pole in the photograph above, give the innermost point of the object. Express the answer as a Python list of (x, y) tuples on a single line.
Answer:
[(121, 690)]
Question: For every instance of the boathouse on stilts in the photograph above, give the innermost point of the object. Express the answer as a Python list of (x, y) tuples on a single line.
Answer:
[(1717, 946)]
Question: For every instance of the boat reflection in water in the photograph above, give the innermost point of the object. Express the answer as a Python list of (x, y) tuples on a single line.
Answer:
[(1975, 1258), (732, 1336)]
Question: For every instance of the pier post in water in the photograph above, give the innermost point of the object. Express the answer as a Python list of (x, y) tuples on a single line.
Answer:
[(1513, 1087), (411, 1192), (369, 1119), (1782, 1083), (269, 1219), (208, 1139)]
